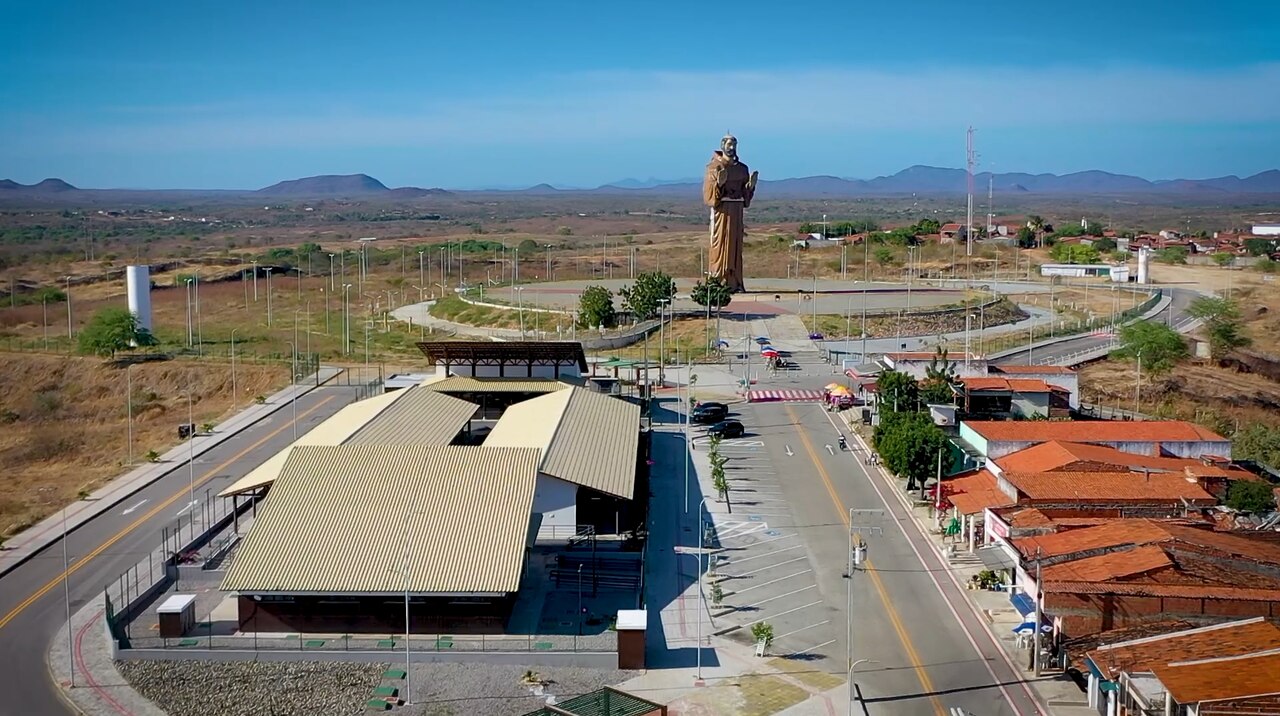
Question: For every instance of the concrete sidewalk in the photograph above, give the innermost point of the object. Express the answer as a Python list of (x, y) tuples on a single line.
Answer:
[(29, 542)]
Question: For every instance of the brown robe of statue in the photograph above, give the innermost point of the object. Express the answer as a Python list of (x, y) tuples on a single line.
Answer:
[(727, 189)]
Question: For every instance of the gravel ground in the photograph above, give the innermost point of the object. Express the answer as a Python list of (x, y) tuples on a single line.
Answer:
[(458, 689), (239, 688)]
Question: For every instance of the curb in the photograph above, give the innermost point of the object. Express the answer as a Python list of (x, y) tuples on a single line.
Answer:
[(30, 542)]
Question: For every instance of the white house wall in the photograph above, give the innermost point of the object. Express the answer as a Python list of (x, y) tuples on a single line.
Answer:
[(557, 502)]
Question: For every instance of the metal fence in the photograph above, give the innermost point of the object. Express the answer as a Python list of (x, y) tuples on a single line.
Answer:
[(604, 642)]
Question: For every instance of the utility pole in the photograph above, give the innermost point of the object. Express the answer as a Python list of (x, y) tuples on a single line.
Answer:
[(1035, 654), (70, 333), (970, 163), (268, 270), (861, 523)]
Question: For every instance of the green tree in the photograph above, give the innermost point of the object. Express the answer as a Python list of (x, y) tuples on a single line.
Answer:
[(714, 292), (1074, 254), (1224, 258), (1093, 229), (595, 307), (1251, 496), (899, 392), (1172, 255), (1221, 318), (884, 255), (910, 447), (1266, 265), (1025, 237), (1119, 256), (1257, 442), (643, 297), (1159, 346), (1261, 247), (939, 376), (928, 226), (527, 246), (1038, 227), (112, 330), (1105, 244)]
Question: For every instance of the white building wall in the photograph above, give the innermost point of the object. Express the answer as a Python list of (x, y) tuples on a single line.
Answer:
[(557, 502), (996, 449), (1266, 230)]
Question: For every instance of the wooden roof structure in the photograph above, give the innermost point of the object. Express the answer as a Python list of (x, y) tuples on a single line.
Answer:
[(505, 353)]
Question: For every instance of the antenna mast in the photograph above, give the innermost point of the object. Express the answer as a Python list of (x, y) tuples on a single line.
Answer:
[(991, 207), (968, 238)]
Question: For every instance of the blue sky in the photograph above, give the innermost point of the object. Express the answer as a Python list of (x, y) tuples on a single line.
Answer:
[(454, 94)]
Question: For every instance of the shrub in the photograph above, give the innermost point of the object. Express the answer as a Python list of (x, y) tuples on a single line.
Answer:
[(1250, 496), (152, 456), (762, 631)]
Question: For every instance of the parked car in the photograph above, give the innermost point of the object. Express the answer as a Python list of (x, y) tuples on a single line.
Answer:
[(727, 429), (709, 413), (762, 341)]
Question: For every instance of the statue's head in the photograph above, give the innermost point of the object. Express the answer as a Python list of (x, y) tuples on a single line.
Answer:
[(729, 145)]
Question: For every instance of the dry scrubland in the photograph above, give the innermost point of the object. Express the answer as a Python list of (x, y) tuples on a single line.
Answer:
[(65, 426)]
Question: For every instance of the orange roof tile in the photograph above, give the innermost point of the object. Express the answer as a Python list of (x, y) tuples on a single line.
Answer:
[(1236, 677), (1109, 486), (1152, 589), (1113, 534), (1020, 385), (1113, 565), (975, 491), (1057, 454), (1140, 655), (1093, 431), (1239, 544)]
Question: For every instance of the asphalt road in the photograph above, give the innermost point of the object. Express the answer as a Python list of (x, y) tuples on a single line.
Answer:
[(930, 651), (1175, 315), (32, 610)]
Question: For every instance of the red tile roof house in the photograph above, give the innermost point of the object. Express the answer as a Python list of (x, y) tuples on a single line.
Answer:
[(1056, 376), (1230, 668), (1129, 572), (1176, 438)]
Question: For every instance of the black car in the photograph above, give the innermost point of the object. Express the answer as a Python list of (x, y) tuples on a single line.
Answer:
[(727, 429), (709, 413)]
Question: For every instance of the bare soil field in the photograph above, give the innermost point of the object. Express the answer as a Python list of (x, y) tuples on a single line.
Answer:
[(65, 428)]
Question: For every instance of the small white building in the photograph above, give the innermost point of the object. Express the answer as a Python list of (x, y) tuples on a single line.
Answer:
[(1266, 230), (1117, 273), (916, 363)]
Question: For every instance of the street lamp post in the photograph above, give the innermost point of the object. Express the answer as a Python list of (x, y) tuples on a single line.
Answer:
[(293, 383), (255, 281), (233, 368), (128, 402), (191, 449), (857, 560), (66, 595), (331, 272), (852, 690), (702, 598), (346, 319), (662, 340), (422, 271), (70, 334), (520, 307), (1137, 396), (268, 270)]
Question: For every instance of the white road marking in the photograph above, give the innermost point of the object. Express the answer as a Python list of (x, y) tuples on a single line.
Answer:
[(797, 631), (829, 450), (789, 453), (131, 509), (780, 614), (806, 651), (779, 564), (773, 539), (766, 554), (771, 581), (184, 510), (780, 596)]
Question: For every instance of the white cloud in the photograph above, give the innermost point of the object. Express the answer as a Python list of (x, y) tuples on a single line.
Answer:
[(604, 106)]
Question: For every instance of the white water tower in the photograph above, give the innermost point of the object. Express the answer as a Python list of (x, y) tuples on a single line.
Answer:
[(1144, 262), (138, 279)]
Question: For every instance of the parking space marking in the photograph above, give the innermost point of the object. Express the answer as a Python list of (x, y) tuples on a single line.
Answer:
[(779, 564), (806, 651), (773, 539), (797, 631), (766, 554), (781, 614), (780, 596), (771, 581)]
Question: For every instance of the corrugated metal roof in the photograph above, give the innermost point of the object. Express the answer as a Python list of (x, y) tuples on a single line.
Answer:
[(334, 522), (467, 384), (333, 431), (412, 416), (586, 438), (419, 417)]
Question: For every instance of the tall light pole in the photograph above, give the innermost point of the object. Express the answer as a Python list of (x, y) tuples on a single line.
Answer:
[(422, 272), (233, 368), (293, 382), (128, 403), (66, 595), (859, 523), (852, 690), (662, 340), (520, 307), (191, 449), (346, 319), (1137, 395), (702, 598), (190, 333), (255, 280), (330, 273), (268, 270), (70, 333)]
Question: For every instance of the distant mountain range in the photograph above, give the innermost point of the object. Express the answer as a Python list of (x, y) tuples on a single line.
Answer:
[(913, 180)]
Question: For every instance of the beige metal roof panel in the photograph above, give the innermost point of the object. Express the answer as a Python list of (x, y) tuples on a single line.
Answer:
[(335, 522), (419, 417), (332, 431), (596, 444), (467, 384), (587, 438)]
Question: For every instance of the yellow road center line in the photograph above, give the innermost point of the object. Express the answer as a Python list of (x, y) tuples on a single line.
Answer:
[(894, 619), (143, 519)]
